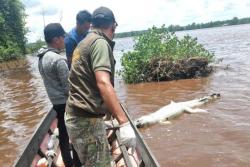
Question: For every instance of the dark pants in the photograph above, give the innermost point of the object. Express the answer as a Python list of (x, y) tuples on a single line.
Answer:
[(64, 139)]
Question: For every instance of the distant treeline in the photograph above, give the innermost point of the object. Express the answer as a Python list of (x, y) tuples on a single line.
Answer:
[(12, 28), (173, 28), (35, 46)]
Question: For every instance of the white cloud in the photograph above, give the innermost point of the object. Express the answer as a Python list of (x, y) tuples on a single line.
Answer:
[(135, 14)]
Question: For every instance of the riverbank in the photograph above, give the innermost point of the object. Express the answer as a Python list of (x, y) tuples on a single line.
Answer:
[(13, 64)]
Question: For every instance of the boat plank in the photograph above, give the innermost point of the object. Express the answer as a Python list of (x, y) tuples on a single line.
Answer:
[(147, 156), (27, 156)]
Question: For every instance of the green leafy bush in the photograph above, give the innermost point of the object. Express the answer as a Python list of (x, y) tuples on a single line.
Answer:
[(158, 43), (34, 47), (10, 51), (12, 28)]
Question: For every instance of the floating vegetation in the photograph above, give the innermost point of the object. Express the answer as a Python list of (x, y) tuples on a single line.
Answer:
[(159, 55)]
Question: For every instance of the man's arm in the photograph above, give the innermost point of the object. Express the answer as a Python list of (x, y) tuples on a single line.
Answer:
[(70, 45), (109, 96), (63, 74)]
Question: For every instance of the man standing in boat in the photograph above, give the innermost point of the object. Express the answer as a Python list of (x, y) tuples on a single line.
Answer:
[(83, 20), (54, 71), (92, 94)]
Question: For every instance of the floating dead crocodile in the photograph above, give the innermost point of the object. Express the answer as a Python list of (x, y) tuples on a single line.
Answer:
[(173, 110)]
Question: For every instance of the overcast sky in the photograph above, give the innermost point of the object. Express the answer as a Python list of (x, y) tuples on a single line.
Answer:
[(133, 14)]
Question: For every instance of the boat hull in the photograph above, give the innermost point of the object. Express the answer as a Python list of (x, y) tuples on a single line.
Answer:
[(37, 147)]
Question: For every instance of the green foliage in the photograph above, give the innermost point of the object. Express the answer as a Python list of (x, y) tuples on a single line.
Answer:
[(9, 52), (12, 27), (159, 43), (129, 34), (34, 47)]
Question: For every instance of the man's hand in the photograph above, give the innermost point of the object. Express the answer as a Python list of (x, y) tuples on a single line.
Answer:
[(127, 134)]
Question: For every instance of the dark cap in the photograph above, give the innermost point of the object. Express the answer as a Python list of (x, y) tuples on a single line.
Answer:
[(103, 13), (53, 30)]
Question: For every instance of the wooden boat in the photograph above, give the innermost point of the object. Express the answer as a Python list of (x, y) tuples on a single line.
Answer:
[(38, 146)]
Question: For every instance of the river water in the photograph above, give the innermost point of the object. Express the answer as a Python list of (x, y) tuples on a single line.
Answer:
[(220, 137)]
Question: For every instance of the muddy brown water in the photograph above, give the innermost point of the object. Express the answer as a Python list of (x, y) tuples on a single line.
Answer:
[(218, 138)]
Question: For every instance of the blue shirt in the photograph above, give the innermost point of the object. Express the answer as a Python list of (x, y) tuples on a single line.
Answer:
[(71, 41)]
